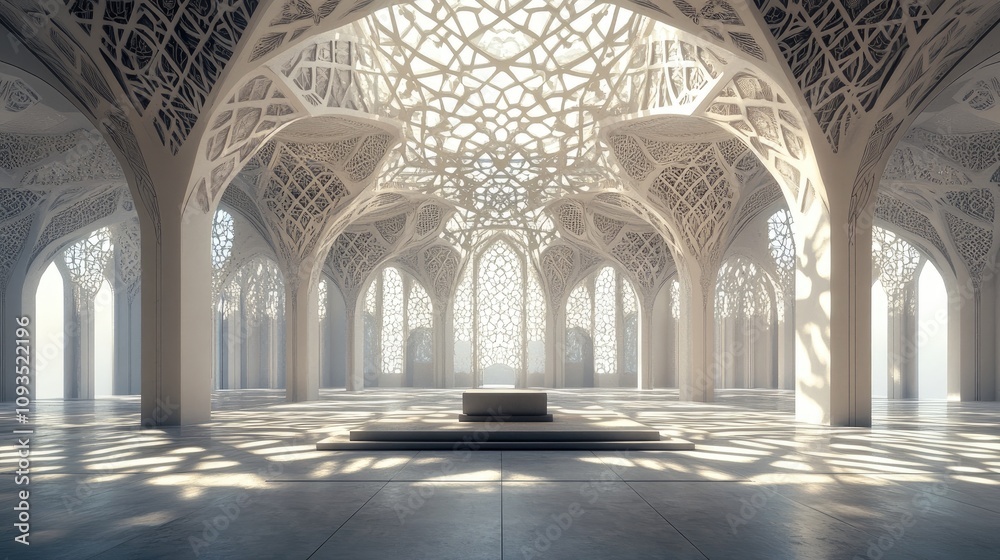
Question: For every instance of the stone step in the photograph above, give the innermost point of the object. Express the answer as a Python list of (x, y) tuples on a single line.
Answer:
[(336, 444), (484, 432), (520, 418)]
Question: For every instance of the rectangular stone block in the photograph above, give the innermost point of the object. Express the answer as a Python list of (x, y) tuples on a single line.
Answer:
[(505, 402)]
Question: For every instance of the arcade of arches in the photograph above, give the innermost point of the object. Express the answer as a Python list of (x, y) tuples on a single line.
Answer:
[(677, 194)]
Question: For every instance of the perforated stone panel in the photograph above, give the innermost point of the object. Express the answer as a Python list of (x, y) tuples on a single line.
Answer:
[(973, 243), (87, 261), (167, 55), (896, 263)]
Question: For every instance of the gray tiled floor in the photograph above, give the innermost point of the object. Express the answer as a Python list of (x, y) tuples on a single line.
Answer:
[(923, 483)]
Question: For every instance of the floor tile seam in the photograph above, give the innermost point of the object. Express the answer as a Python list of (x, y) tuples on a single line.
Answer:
[(904, 484), (109, 487), (827, 514), (667, 521), (379, 480), (403, 467), (186, 512), (346, 521), (370, 498)]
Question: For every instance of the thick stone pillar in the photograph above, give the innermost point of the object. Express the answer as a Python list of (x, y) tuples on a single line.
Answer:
[(355, 355), (972, 340), (244, 323), (645, 347), (280, 352), (302, 337), (71, 335), (987, 351), (125, 260), (250, 350), (127, 368), (663, 355), (234, 341), (902, 351), (555, 359), (763, 363), (325, 339), (16, 302), (275, 357), (833, 316), (442, 333), (78, 372), (339, 328), (696, 378), (731, 352), (177, 318), (742, 352), (786, 346)]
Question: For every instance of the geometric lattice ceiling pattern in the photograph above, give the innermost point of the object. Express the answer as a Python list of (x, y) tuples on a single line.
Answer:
[(502, 101)]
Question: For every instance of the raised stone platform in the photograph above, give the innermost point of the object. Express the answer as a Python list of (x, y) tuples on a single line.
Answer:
[(668, 445), (521, 418), (627, 431), (572, 432), (506, 405)]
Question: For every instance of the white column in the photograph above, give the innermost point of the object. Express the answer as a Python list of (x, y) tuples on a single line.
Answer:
[(902, 336), (355, 349), (972, 336), (444, 355), (645, 347), (555, 339), (125, 378), (176, 317), (17, 302), (302, 338), (696, 378), (661, 341), (833, 317), (786, 346)]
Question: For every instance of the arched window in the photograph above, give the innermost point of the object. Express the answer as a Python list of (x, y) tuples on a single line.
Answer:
[(222, 238), (579, 366), (322, 297), (744, 326), (782, 247), (50, 331), (602, 332), (399, 332), (743, 290), (250, 311), (499, 318), (675, 299), (88, 263), (895, 262), (500, 314), (932, 334)]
